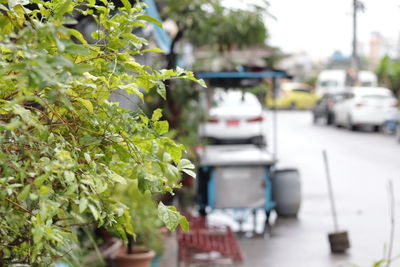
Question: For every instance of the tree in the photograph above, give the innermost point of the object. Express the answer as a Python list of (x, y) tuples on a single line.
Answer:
[(388, 73), (63, 146)]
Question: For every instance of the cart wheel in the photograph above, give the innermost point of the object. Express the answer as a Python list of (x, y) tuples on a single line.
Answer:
[(202, 212)]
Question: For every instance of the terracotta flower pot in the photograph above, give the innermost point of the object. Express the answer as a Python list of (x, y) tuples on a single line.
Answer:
[(139, 258)]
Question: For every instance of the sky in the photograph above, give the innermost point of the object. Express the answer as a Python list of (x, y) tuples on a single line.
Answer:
[(320, 27)]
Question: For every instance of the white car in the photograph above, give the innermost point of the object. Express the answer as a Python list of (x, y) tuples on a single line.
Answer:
[(361, 106), (235, 117)]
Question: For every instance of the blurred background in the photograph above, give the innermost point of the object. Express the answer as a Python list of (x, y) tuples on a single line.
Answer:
[(291, 79)]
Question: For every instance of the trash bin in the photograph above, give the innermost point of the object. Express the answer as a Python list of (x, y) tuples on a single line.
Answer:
[(286, 192)]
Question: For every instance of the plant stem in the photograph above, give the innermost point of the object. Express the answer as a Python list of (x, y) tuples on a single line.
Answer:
[(392, 221), (130, 245)]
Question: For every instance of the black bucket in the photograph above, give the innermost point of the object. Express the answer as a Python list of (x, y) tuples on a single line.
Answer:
[(339, 242)]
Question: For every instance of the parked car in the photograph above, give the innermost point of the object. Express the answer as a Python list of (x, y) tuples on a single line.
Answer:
[(293, 96), (324, 107), (235, 117), (361, 106)]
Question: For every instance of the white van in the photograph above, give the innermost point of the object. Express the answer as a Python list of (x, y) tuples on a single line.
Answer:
[(334, 81), (330, 81), (367, 79)]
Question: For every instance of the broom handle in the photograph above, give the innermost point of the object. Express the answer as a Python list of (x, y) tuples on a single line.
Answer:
[(328, 177)]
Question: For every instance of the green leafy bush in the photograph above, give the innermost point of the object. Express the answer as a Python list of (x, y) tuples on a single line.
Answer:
[(64, 146)]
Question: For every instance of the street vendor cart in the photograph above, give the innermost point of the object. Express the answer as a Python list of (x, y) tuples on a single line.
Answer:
[(235, 177), (244, 176)]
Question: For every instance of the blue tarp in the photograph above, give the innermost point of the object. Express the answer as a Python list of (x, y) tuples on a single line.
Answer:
[(161, 36), (241, 74)]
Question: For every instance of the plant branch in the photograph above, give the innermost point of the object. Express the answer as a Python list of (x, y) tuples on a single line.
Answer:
[(392, 202), (20, 207)]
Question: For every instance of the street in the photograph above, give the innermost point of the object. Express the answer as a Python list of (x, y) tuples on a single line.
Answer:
[(361, 164)]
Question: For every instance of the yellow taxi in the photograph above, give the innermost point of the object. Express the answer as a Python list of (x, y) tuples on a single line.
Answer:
[(293, 96)]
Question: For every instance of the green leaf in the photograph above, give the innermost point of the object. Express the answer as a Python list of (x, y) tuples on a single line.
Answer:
[(77, 35), (89, 140), (189, 172), (127, 5), (132, 89), (79, 69), (69, 176), (86, 103), (161, 127), (157, 114), (2, 7), (24, 193), (128, 223), (173, 173), (122, 152), (87, 157), (117, 178), (144, 82), (201, 82), (155, 50), (379, 263), (150, 19), (171, 217), (185, 164), (184, 224), (27, 117), (13, 3), (44, 190), (161, 90), (77, 49), (37, 232), (83, 203), (175, 152), (94, 211), (61, 9), (179, 71), (39, 181), (167, 157)]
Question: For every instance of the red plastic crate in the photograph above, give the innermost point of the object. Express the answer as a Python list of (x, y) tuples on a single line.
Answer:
[(207, 244)]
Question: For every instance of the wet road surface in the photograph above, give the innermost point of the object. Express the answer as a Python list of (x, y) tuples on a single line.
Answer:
[(361, 164)]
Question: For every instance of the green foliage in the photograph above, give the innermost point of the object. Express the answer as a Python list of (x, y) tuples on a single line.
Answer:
[(273, 60), (388, 73), (232, 28), (208, 22), (312, 81), (186, 98), (379, 263), (143, 214), (64, 146)]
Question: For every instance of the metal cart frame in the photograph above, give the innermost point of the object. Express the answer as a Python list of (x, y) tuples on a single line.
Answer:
[(210, 161)]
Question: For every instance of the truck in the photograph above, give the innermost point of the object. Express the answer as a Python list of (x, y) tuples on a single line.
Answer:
[(334, 81)]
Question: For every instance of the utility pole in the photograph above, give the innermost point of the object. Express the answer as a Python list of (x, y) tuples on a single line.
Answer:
[(354, 63), (357, 5)]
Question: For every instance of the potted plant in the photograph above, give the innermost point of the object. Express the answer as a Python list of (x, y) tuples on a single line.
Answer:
[(146, 243)]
